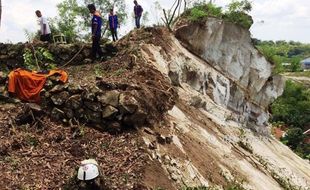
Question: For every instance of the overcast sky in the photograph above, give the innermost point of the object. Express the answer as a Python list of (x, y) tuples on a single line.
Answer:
[(282, 19)]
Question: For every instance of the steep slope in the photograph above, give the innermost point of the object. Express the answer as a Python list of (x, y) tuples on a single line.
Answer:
[(205, 97), (211, 143)]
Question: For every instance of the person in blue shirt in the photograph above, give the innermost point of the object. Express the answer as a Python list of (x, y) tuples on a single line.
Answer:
[(113, 24), (138, 13), (96, 24)]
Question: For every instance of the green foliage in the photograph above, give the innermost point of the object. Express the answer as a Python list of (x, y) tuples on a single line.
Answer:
[(74, 17), (284, 52), (203, 11), (30, 36), (294, 137), (293, 109), (237, 12), (44, 58), (240, 6)]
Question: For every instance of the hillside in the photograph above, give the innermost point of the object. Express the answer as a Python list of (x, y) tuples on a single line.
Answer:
[(167, 111)]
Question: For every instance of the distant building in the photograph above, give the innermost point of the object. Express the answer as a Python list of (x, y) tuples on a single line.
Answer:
[(305, 64)]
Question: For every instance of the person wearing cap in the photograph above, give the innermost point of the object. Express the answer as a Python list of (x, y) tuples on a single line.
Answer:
[(113, 24), (96, 24), (138, 13), (45, 31)]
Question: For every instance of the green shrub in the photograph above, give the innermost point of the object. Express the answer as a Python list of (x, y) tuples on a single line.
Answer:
[(237, 13), (239, 18), (41, 57), (202, 11)]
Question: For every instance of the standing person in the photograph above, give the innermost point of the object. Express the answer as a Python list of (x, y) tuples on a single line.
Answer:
[(45, 31), (138, 13), (96, 24), (113, 23)]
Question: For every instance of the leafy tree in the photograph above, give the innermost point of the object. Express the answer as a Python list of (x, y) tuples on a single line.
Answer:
[(68, 23), (240, 6), (293, 107), (74, 17), (294, 137), (238, 13)]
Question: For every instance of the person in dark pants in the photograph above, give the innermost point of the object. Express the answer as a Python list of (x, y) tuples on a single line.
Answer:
[(45, 31), (138, 13), (96, 24), (113, 23)]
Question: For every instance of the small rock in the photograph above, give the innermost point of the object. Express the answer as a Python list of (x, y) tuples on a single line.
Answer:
[(57, 88), (74, 88), (86, 95), (149, 131), (95, 106), (74, 102), (161, 139), (108, 111), (87, 61), (92, 116), (114, 127), (69, 113), (128, 103), (110, 98), (196, 101), (169, 139), (57, 114), (153, 145), (79, 113), (138, 118), (59, 99), (174, 177)]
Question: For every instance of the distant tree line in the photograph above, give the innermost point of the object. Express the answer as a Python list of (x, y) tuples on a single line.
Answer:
[(281, 51)]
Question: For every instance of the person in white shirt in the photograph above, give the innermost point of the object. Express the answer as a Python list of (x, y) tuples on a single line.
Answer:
[(45, 28)]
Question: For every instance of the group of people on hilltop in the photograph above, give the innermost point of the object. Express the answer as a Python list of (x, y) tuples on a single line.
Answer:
[(96, 24)]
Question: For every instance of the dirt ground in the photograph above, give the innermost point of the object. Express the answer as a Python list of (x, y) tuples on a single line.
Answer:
[(47, 158)]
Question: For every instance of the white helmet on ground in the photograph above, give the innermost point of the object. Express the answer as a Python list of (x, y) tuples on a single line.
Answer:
[(88, 170)]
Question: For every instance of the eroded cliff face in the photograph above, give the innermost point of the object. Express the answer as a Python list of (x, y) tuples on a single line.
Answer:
[(249, 87), (206, 139)]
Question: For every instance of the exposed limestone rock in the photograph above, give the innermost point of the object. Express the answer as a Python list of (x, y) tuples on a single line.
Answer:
[(241, 80)]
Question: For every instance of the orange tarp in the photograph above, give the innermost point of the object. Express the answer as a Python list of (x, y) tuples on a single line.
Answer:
[(27, 85)]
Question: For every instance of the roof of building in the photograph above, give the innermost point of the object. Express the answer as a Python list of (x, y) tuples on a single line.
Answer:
[(306, 60)]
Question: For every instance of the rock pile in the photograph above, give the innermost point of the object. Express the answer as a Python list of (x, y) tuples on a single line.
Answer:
[(108, 105)]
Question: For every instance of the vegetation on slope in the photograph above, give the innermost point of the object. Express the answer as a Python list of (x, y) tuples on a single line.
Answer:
[(284, 52), (237, 13), (292, 110)]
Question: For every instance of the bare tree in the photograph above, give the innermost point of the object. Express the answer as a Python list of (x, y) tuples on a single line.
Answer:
[(168, 16)]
